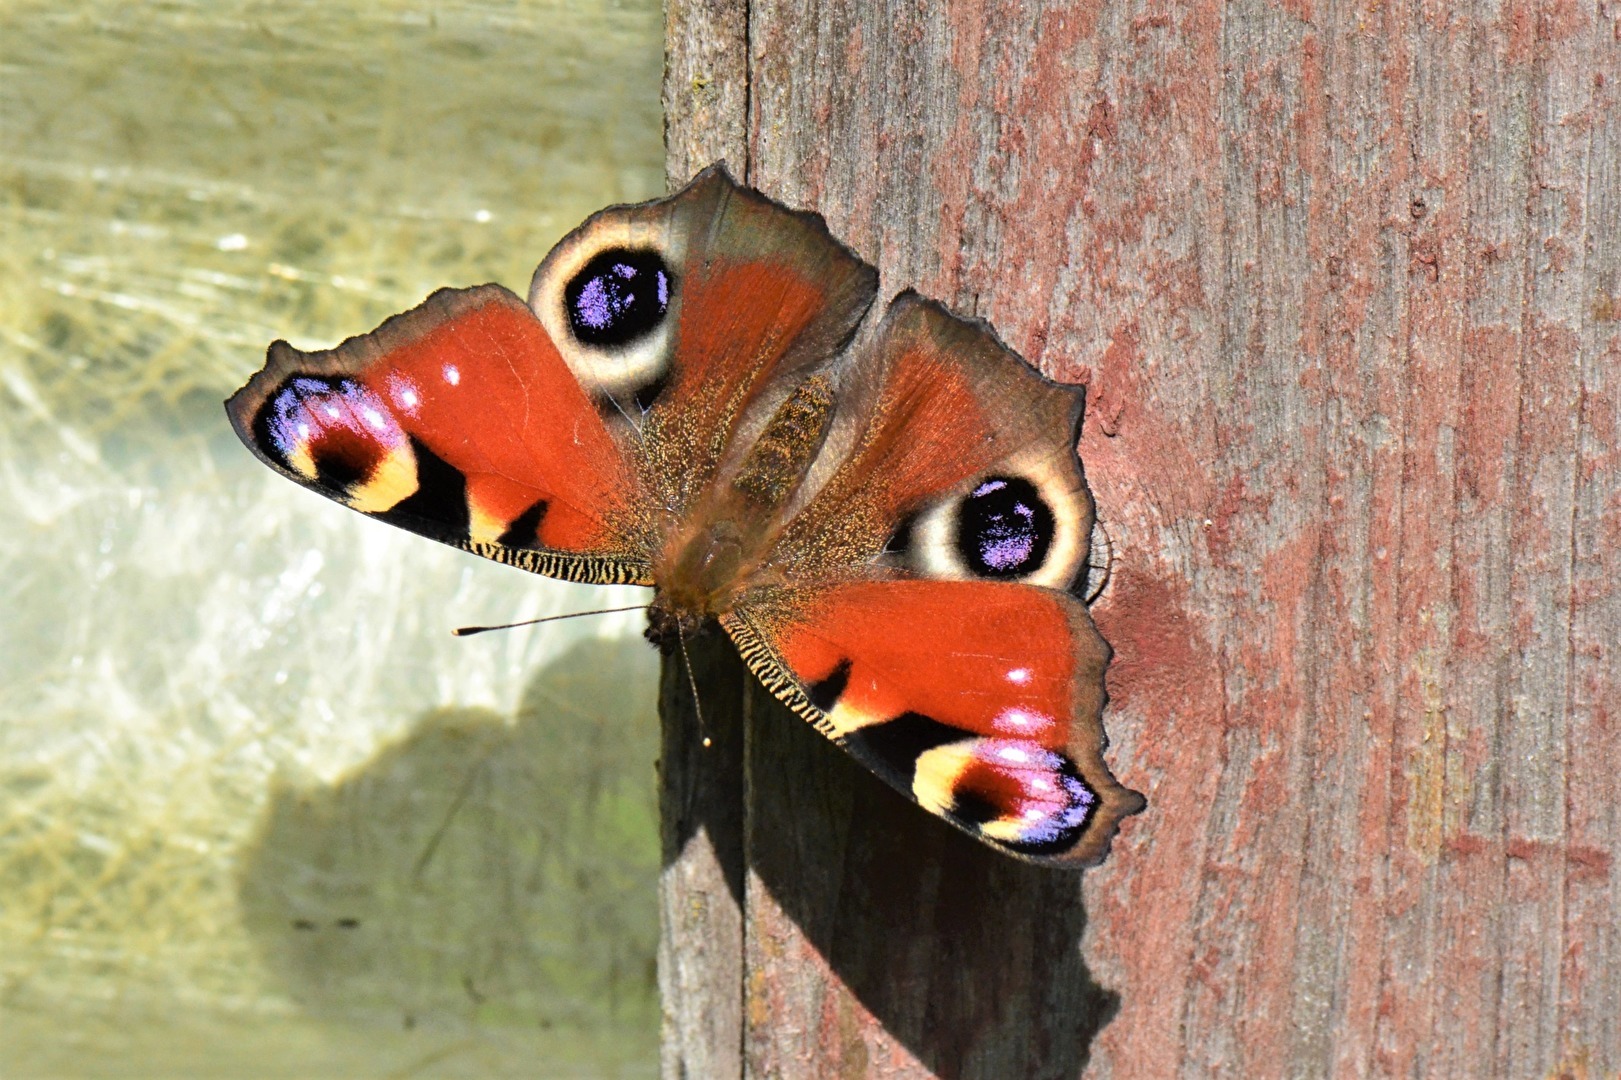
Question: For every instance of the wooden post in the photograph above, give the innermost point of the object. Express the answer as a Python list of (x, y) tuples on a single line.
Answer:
[(1345, 285)]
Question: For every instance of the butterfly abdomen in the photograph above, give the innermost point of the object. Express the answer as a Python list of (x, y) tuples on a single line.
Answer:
[(712, 557), (779, 457)]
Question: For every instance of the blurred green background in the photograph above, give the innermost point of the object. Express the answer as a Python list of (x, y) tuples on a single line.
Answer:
[(260, 815)]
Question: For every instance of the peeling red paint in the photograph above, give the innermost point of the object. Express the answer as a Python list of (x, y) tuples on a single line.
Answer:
[(1113, 386), (1156, 651), (1466, 844)]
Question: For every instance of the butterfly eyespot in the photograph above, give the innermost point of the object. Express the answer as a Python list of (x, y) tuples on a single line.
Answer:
[(1022, 525), (619, 296), (337, 433), (1014, 791), (1004, 528), (611, 305), (1022, 795)]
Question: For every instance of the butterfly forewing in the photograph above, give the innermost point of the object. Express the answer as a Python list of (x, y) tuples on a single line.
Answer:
[(978, 701), (457, 420), (678, 315)]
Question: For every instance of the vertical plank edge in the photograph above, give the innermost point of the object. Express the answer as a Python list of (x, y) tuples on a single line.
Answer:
[(701, 948), (700, 956), (706, 87)]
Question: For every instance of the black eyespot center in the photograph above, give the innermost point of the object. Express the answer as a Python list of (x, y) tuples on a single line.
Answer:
[(1004, 528), (619, 297), (901, 540)]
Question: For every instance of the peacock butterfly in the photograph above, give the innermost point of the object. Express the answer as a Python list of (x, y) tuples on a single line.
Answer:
[(894, 534)]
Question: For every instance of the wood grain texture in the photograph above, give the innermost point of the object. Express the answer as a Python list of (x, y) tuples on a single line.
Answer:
[(1345, 285), (700, 959), (706, 87)]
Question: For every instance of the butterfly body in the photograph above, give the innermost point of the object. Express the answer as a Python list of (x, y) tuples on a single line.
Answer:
[(720, 550), (895, 535)]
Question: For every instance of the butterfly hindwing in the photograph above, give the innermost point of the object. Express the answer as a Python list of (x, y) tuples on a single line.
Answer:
[(967, 468), (457, 420), (978, 701)]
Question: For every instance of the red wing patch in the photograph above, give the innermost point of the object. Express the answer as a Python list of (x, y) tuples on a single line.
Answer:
[(737, 322), (457, 420), (979, 700), (764, 296)]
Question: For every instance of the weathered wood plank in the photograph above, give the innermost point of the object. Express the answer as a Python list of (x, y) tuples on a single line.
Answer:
[(1433, 884), (700, 957), (1590, 989), (1534, 748), (1345, 284), (706, 87)]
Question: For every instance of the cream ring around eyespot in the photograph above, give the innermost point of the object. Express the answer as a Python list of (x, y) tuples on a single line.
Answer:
[(482, 526), (615, 371), (846, 719), (934, 544)]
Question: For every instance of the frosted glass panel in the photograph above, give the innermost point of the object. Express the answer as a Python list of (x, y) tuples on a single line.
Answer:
[(260, 814)]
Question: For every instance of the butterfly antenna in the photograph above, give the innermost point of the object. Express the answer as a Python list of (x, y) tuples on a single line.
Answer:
[(469, 631), (697, 707)]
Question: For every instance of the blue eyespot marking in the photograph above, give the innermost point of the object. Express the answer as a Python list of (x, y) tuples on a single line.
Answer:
[(621, 295), (1004, 528)]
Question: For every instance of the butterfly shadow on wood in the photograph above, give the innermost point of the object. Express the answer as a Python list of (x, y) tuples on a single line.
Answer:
[(486, 874), (861, 908)]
